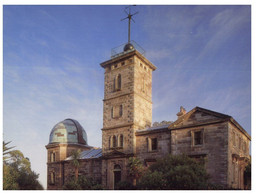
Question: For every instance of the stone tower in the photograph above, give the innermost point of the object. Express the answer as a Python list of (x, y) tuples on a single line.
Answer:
[(127, 106), (127, 100)]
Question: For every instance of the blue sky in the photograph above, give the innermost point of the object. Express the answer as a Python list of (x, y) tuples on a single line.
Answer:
[(51, 71)]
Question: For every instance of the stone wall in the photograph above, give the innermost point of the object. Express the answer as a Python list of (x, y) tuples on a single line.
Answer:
[(238, 156), (108, 171), (128, 134), (214, 147), (163, 146), (55, 168), (90, 168), (127, 116), (125, 67), (134, 97)]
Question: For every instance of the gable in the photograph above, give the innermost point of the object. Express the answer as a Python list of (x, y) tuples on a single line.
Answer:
[(198, 116)]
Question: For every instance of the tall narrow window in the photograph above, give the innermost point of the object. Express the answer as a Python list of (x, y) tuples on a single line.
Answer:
[(149, 144), (234, 138), (120, 141), (198, 140), (143, 84), (114, 84), (119, 82), (110, 142), (114, 141), (117, 175), (154, 144), (240, 142), (52, 178), (120, 110), (112, 112), (52, 157)]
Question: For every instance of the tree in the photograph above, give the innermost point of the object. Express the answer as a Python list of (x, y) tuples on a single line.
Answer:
[(75, 155), (6, 150), (247, 175), (83, 183), (17, 173), (175, 173), (125, 185), (10, 177), (135, 169)]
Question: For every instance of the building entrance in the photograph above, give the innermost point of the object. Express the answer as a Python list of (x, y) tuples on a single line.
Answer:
[(117, 175)]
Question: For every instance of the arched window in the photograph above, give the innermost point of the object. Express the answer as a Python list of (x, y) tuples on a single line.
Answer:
[(52, 157), (117, 82), (110, 142), (114, 84), (121, 141), (143, 84), (120, 110), (112, 112), (52, 178), (114, 141)]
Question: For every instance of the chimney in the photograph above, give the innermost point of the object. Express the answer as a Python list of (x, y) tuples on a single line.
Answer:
[(181, 112)]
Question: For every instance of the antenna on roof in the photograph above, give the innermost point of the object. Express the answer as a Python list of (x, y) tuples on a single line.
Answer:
[(129, 16)]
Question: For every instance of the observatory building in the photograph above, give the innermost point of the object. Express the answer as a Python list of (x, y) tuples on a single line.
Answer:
[(128, 132)]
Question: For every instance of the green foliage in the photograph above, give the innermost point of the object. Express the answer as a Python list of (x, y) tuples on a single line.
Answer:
[(175, 173), (75, 161), (75, 158), (83, 183), (10, 176), (247, 171), (152, 181), (247, 176), (135, 167), (17, 173), (6, 151), (124, 185), (72, 184)]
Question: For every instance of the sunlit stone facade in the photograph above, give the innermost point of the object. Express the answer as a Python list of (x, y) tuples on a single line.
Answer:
[(128, 132)]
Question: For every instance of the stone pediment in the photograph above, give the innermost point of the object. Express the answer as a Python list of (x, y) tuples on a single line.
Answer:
[(114, 153), (198, 116)]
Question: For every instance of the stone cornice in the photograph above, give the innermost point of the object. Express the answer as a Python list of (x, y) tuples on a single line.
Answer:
[(112, 156), (53, 145), (117, 126), (199, 124), (118, 96), (232, 120), (151, 131), (131, 93), (127, 55)]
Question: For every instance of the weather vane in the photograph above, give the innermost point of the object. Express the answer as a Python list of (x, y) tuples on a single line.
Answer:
[(129, 16)]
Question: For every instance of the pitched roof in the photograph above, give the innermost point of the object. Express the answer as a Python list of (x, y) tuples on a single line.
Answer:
[(216, 118), (89, 154)]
